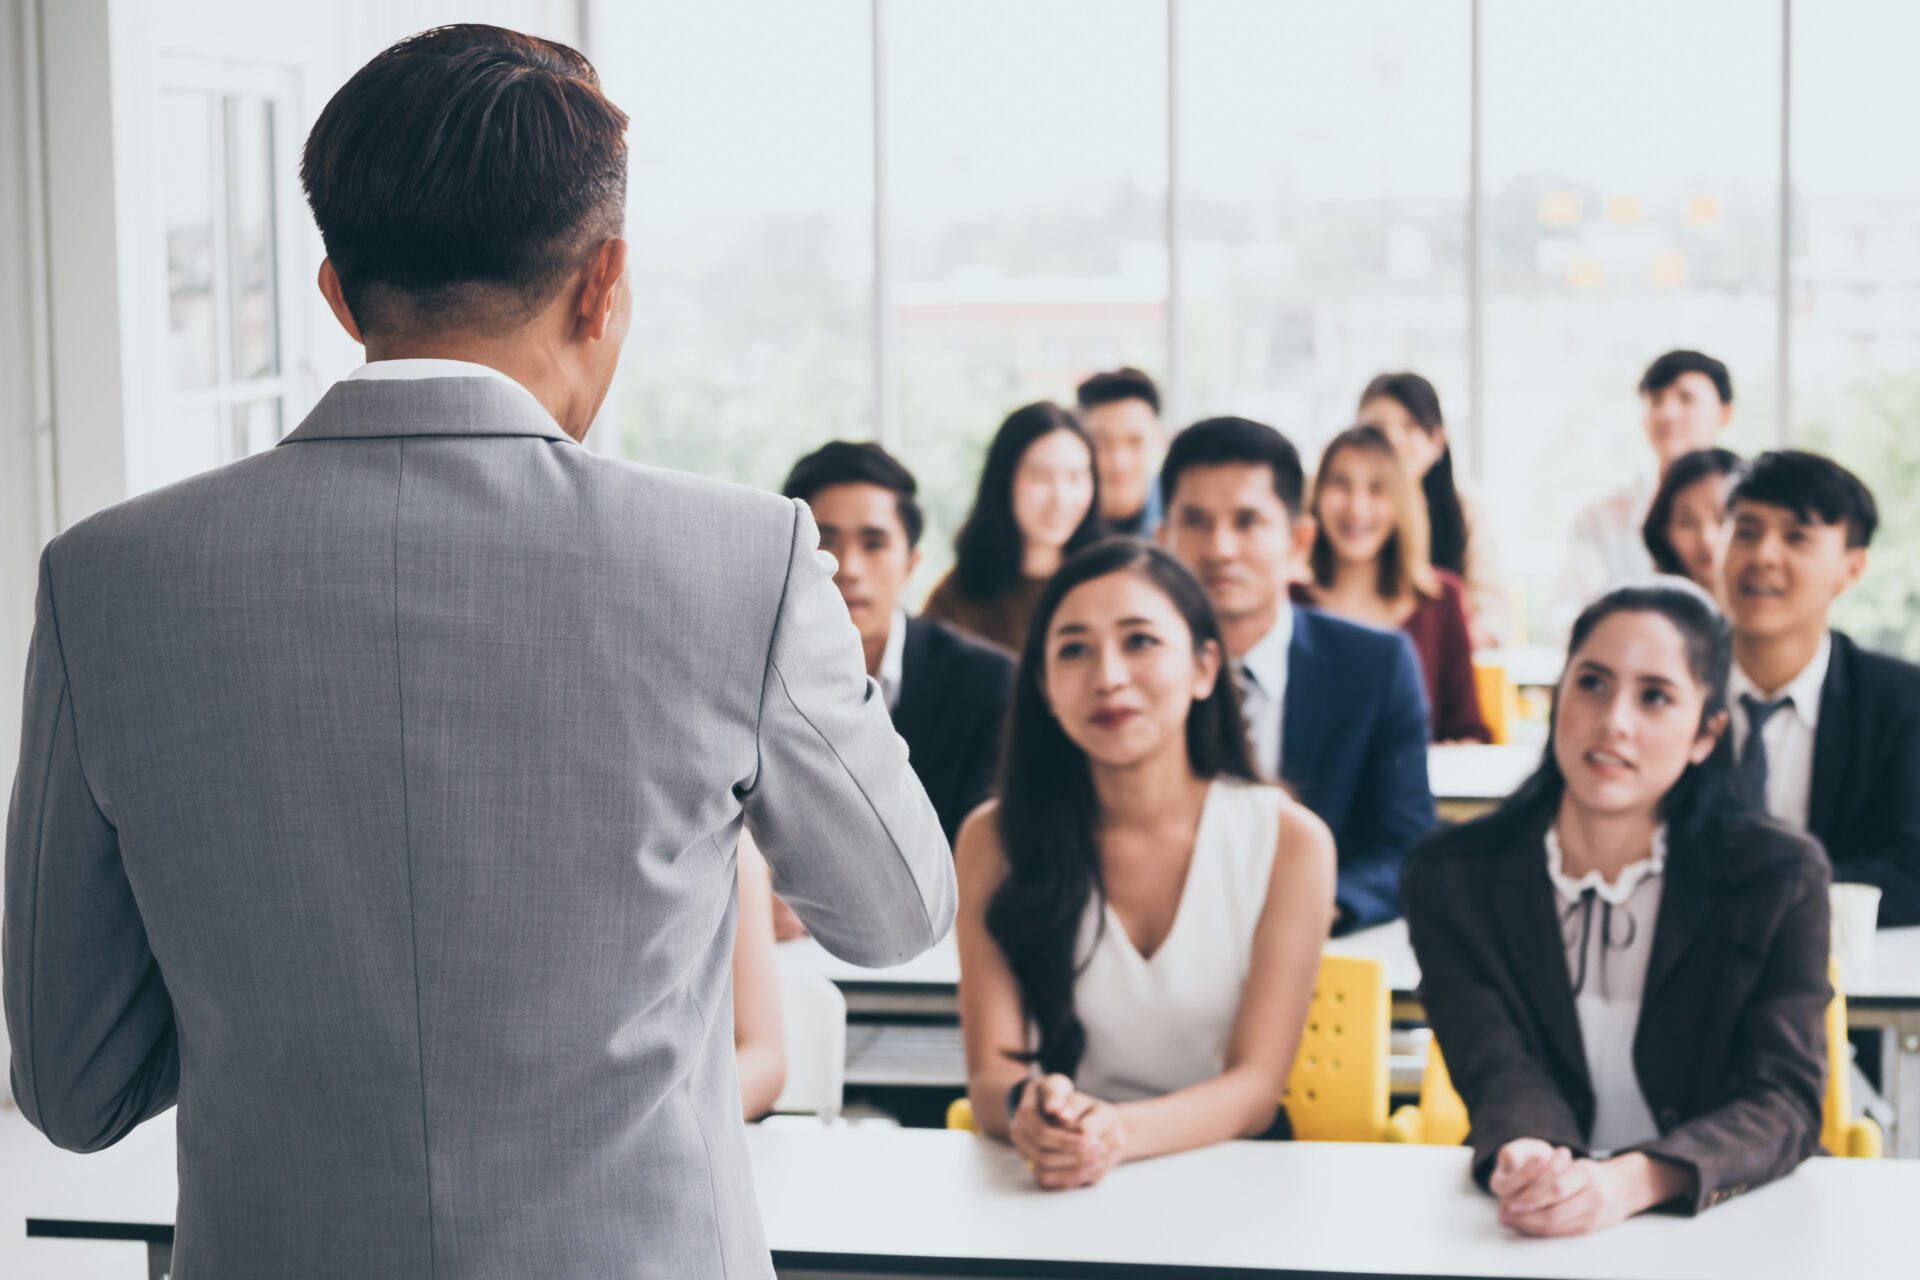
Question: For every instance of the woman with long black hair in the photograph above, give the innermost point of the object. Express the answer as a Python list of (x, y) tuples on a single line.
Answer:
[(1625, 965), (1140, 918), (1407, 408), (1038, 503)]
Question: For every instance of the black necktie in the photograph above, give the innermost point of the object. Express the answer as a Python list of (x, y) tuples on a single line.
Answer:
[(1753, 757)]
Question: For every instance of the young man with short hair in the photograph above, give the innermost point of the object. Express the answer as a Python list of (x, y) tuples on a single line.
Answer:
[(1826, 731), (947, 692), (1686, 401), (1121, 411), (1334, 709)]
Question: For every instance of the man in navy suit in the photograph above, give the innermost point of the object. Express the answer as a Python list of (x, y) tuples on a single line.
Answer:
[(1335, 710)]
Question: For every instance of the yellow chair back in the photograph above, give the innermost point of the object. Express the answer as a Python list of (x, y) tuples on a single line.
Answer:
[(1337, 1090), (960, 1114), (1499, 700)]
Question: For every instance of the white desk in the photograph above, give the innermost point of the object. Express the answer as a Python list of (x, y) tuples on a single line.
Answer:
[(1531, 666), (840, 1202), (1469, 778)]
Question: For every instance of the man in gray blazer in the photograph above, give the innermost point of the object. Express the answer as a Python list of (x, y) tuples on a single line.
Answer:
[(379, 793)]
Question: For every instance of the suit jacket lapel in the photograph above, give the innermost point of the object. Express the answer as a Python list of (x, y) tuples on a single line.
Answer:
[(1526, 903), (918, 689), (1832, 740), (1304, 710)]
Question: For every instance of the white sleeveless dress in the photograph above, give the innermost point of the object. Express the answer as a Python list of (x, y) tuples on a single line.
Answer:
[(1158, 1025)]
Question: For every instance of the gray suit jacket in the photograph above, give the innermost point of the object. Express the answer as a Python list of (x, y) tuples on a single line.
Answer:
[(377, 803)]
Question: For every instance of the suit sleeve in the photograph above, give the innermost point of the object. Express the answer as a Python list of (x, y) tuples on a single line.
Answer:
[(1395, 802), (854, 843), (1890, 857), (1771, 1121), (1491, 1059), (94, 1046)]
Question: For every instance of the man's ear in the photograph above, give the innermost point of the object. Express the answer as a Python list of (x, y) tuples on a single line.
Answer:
[(1856, 567), (336, 297), (913, 561), (1305, 529), (599, 290)]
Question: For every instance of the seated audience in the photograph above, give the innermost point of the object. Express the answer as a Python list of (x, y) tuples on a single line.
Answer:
[(1037, 503), (1686, 401), (1685, 530), (1141, 919), (1838, 744), (1336, 710), (759, 1040), (1369, 563), (947, 692), (1407, 408), (1625, 965), (1121, 411)]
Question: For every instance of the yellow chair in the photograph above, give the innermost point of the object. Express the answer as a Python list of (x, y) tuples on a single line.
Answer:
[(960, 1115), (1441, 1117), (1840, 1132), (1337, 1090), (1499, 699)]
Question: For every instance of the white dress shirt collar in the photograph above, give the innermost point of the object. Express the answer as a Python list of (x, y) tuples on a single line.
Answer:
[(1804, 688), (384, 370), (893, 659), (1622, 886), (1266, 662)]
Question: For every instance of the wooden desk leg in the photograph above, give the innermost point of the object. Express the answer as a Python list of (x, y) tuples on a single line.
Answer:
[(159, 1261)]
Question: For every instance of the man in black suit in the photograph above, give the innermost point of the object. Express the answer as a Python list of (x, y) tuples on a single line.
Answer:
[(1837, 747), (947, 692)]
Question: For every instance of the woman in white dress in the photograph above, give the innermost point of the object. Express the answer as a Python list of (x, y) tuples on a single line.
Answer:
[(1140, 919)]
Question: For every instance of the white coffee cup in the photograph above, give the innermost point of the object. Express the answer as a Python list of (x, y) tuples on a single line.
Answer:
[(1855, 911)]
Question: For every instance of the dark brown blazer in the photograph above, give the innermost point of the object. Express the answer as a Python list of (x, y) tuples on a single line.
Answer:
[(1731, 1049)]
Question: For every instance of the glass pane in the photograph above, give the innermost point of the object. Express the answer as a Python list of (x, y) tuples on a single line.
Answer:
[(254, 426), (749, 216), (1631, 201), (1026, 170), (250, 160), (1856, 283), (189, 133), (196, 442), (1325, 175)]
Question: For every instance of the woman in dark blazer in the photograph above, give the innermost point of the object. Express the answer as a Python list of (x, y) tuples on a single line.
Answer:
[(1626, 964)]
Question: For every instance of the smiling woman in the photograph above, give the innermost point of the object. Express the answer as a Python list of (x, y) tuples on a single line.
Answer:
[(1133, 873), (1603, 1073)]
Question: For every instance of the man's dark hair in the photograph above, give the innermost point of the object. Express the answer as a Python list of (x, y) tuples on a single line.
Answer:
[(461, 176), (851, 462), (1117, 385), (1666, 371), (1219, 441), (1816, 489)]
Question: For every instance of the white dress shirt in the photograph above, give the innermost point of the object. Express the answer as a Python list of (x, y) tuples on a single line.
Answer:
[(1604, 550), (1609, 942), (893, 659), (1261, 674), (382, 370), (1788, 733)]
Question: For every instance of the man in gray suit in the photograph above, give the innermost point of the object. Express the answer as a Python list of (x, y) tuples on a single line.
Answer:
[(379, 793)]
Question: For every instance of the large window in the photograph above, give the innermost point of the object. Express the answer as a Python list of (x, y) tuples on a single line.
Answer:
[(219, 171), (1631, 177), (1855, 328), (1263, 203), (751, 224)]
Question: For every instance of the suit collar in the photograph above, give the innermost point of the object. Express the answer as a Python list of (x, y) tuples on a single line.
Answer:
[(915, 705), (1304, 704), (1832, 739), (391, 408)]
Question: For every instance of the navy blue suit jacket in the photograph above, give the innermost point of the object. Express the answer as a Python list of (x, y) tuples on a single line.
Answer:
[(1353, 748)]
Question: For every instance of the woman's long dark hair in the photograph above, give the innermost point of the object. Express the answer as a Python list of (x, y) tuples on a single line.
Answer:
[(990, 549), (1709, 797), (1446, 518), (1687, 470), (1049, 819)]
